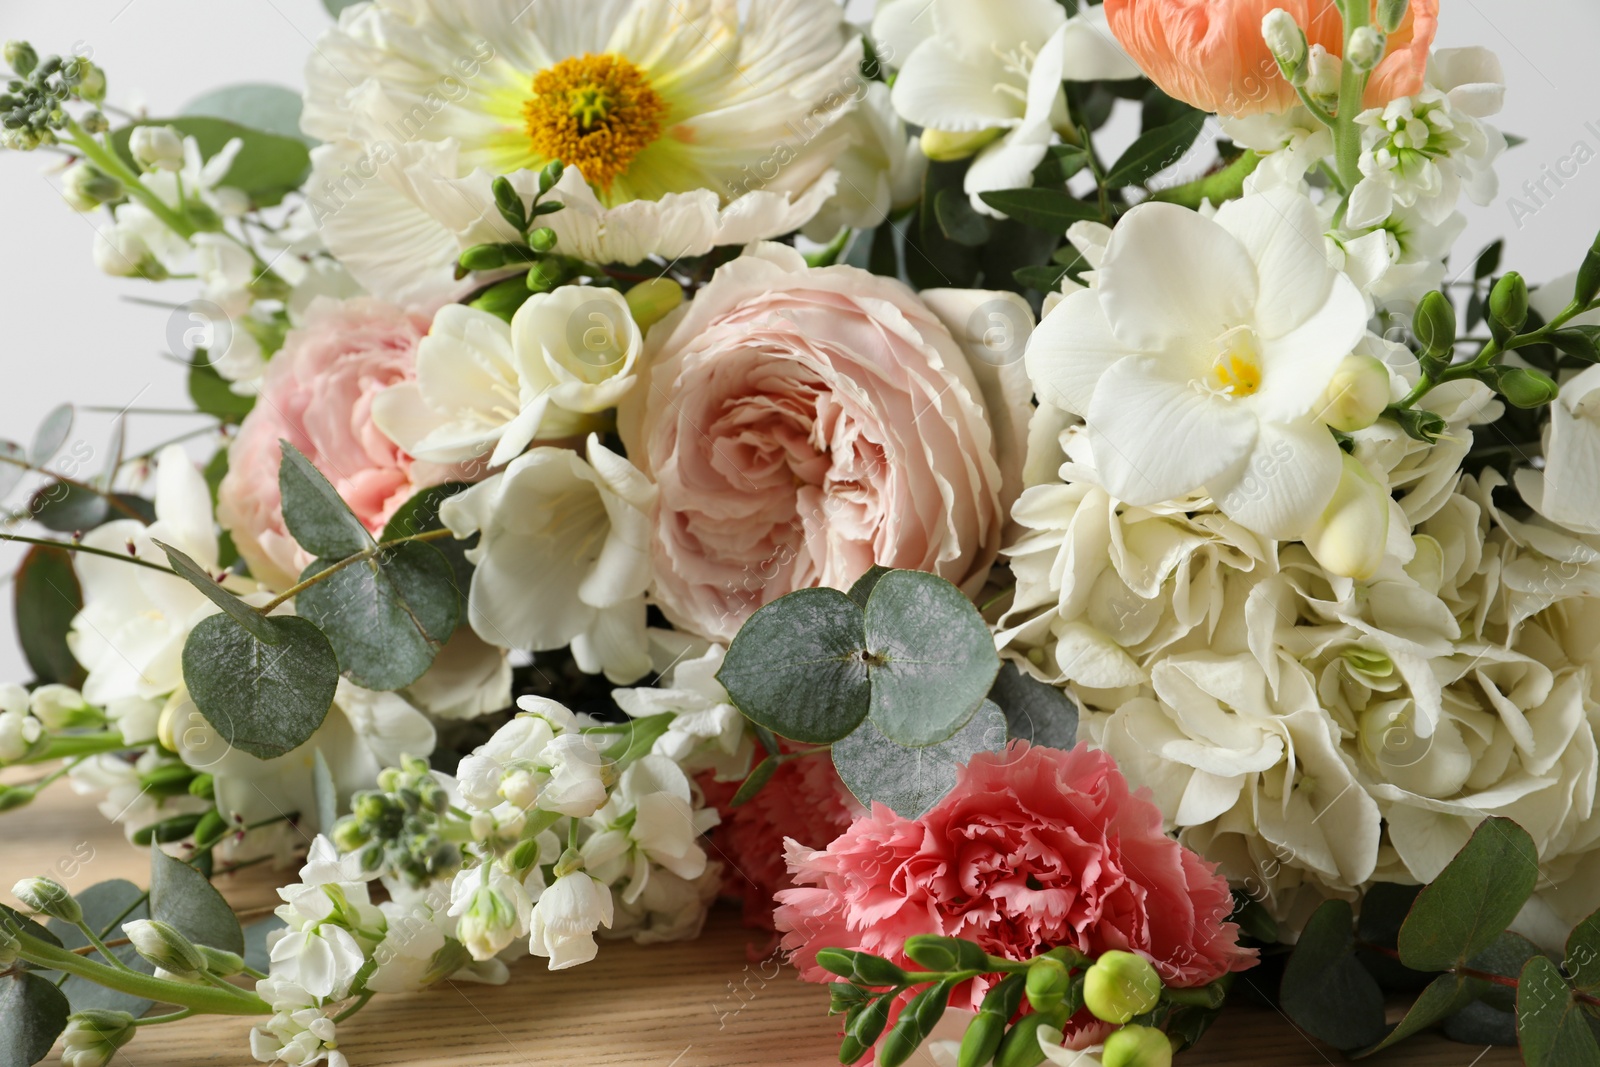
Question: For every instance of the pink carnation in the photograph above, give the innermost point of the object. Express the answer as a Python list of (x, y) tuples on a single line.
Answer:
[(1034, 849), (805, 802), (318, 396)]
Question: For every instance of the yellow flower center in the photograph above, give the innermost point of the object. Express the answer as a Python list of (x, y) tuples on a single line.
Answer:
[(1236, 371), (595, 113)]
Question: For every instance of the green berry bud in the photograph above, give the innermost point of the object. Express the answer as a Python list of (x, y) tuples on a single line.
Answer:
[(20, 57), (1508, 307), (203, 786), (510, 204), (47, 897), (1523, 387), (546, 275), (542, 240), (165, 947), (1049, 981), (1137, 1046), (942, 146), (1435, 325), (16, 796), (92, 1037), (944, 953), (650, 302), (1391, 13), (900, 1043), (1120, 986), (220, 963)]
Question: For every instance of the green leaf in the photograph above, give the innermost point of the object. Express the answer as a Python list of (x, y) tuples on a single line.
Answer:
[(1579, 342), (13, 466), (420, 515), (18, 923), (883, 258), (69, 508), (1488, 261), (183, 898), (912, 780), (1162, 110), (1325, 989), (1035, 712), (387, 617), (324, 794), (251, 620), (1383, 910), (796, 667), (1474, 898), (316, 515), (1583, 954), (1506, 957), (267, 167), (1054, 210), (33, 1012), (1061, 162), (1552, 1029), (51, 435), (212, 394), (931, 654), (864, 585), (106, 907), (267, 699), (256, 952), (1154, 152), (1041, 279), (1447, 995), (47, 597), (932, 260), (1479, 1024), (268, 108), (959, 222), (758, 779)]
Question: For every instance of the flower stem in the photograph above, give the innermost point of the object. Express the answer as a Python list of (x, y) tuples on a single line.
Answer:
[(360, 557), (1352, 90), (107, 160), (73, 546), (185, 995)]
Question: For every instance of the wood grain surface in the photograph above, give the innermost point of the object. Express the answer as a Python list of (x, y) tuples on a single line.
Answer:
[(715, 1002)]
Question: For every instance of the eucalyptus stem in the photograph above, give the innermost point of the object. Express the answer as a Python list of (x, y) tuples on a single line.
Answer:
[(184, 994), (110, 497), (73, 546), (360, 557)]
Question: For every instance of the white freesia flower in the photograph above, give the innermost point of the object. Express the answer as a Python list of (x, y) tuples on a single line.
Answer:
[(978, 68), (1426, 150), (1199, 358), (564, 557), (669, 116), (484, 387), (492, 909), (880, 172), (566, 917)]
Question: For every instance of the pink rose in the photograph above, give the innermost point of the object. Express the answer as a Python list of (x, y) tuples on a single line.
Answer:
[(1211, 53), (1033, 849), (317, 395), (805, 424)]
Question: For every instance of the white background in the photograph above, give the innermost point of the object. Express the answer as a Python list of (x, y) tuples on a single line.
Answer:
[(69, 333)]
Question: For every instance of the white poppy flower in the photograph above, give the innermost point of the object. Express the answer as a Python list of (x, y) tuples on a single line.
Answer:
[(484, 387), (564, 557), (1199, 358), (566, 917), (974, 67)]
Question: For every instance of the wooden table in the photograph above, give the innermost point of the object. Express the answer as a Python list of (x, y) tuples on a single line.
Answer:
[(703, 1004)]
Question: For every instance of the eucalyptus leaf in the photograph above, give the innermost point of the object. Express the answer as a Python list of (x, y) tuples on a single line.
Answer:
[(1479, 1024), (67, 508), (247, 617), (1035, 712), (756, 781), (932, 659), (1506, 957), (269, 108), (266, 699), (213, 395), (1447, 995), (1383, 910), (183, 898), (420, 515), (33, 1012), (47, 598), (912, 780), (106, 907), (1154, 152), (13, 466), (1583, 954), (325, 795), (959, 221), (1473, 900), (1552, 1028), (864, 585), (386, 617), (51, 435), (256, 951), (314, 511), (267, 168), (1046, 209), (1325, 989), (796, 667)]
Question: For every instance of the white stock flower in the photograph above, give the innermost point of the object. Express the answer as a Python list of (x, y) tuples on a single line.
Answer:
[(706, 729), (684, 125), (491, 907), (299, 1033), (321, 958), (648, 821), (669, 909), (156, 147), (970, 67), (564, 557), (1425, 151), (1200, 356), (566, 917), (880, 172), (484, 387), (539, 759), (19, 729)]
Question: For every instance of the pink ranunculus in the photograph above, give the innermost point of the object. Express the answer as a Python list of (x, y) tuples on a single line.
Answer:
[(317, 395), (805, 424), (1211, 54), (1033, 849)]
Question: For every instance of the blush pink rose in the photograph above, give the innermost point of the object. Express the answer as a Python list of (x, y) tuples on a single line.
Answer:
[(317, 395), (1033, 849), (805, 424), (1211, 54)]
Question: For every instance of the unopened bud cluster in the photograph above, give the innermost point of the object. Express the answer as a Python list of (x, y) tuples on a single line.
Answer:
[(33, 105), (397, 826)]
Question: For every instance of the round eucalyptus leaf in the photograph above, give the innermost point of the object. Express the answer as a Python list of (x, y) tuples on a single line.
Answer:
[(265, 699), (912, 780), (33, 1012)]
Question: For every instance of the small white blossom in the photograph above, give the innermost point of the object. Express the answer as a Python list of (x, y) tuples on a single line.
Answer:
[(566, 917)]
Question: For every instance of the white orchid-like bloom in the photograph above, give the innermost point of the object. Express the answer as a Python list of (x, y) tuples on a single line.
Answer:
[(1201, 355), (485, 387), (993, 73), (566, 917), (564, 557), (684, 124), (1425, 151)]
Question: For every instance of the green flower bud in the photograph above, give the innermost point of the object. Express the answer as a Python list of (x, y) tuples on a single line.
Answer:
[(220, 963), (650, 302), (868, 1023), (47, 897), (1048, 983), (862, 968), (20, 57), (1424, 426), (1137, 1046), (1435, 325), (510, 204), (1120, 986), (211, 828), (546, 275), (16, 796), (1391, 13), (943, 146), (1287, 43), (900, 1043), (1367, 46), (91, 85), (542, 240), (945, 953), (982, 1040), (203, 786), (1588, 286), (85, 188), (483, 257), (1357, 394), (167, 831), (92, 1037), (1508, 307), (95, 121), (851, 1050), (165, 947), (550, 176), (349, 835), (1021, 1047), (1523, 387), (502, 299)]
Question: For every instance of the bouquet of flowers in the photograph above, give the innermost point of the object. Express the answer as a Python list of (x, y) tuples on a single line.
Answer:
[(672, 449)]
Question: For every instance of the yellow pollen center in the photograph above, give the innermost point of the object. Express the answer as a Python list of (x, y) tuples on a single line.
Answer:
[(594, 112), (1236, 371)]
